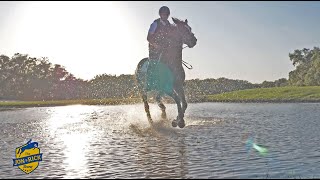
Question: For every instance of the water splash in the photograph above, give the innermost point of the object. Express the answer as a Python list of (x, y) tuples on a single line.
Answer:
[(159, 128)]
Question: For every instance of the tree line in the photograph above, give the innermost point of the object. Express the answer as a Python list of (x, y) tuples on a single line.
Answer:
[(28, 78)]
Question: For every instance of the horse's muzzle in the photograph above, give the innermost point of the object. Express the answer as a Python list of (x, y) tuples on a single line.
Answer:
[(193, 43)]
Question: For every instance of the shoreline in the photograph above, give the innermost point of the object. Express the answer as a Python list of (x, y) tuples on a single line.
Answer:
[(265, 101), (287, 94), (26, 104)]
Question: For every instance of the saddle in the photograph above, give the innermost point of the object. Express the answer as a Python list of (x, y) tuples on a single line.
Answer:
[(159, 77)]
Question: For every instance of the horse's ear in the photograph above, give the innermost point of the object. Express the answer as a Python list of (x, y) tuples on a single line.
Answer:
[(175, 20), (186, 21)]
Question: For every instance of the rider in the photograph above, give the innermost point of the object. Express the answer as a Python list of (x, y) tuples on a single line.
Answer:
[(158, 33), (158, 41)]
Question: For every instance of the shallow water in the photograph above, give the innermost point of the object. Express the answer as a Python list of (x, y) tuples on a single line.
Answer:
[(81, 141)]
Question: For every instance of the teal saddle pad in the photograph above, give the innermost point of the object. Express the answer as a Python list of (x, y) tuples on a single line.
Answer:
[(159, 77)]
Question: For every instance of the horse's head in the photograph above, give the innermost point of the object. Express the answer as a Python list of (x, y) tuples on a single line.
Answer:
[(185, 31)]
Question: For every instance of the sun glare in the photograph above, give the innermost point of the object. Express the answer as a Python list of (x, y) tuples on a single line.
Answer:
[(87, 38)]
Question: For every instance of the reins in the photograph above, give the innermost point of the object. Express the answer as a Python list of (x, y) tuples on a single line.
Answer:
[(185, 63)]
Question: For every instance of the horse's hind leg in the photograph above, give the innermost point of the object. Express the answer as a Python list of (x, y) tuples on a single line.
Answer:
[(162, 107), (146, 107)]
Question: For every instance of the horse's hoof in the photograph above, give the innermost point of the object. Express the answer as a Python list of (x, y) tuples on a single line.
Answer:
[(174, 123), (181, 124)]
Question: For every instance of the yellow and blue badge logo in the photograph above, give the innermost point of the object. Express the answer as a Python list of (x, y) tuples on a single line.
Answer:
[(28, 157)]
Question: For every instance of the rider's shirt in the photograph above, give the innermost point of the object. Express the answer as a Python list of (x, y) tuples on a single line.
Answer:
[(154, 25), (160, 29)]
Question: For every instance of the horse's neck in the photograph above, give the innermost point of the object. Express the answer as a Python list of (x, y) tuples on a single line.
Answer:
[(175, 37), (173, 54), (175, 46)]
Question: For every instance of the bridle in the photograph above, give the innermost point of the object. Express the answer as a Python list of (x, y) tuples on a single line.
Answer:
[(184, 63)]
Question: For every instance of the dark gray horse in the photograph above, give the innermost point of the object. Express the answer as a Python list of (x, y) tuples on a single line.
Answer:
[(169, 74)]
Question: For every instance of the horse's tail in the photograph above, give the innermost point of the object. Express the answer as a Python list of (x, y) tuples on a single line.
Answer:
[(140, 64), (141, 72)]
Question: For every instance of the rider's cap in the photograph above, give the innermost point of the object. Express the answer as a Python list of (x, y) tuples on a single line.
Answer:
[(164, 9)]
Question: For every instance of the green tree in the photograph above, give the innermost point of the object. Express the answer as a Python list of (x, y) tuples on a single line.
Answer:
[(307, 72)]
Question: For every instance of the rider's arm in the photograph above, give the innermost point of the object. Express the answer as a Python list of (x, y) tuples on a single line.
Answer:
[(151, 32)]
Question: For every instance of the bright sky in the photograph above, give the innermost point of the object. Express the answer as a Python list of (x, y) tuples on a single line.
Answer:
[(239, 40)]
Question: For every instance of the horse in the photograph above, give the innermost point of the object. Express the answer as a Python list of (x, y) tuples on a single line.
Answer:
[(171, 75)]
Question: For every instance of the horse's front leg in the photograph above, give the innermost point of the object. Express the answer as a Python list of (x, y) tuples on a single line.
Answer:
[(179, 87), (179, 120), (180, 91)]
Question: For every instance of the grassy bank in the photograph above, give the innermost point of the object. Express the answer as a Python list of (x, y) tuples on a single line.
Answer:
[(278, 94)]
